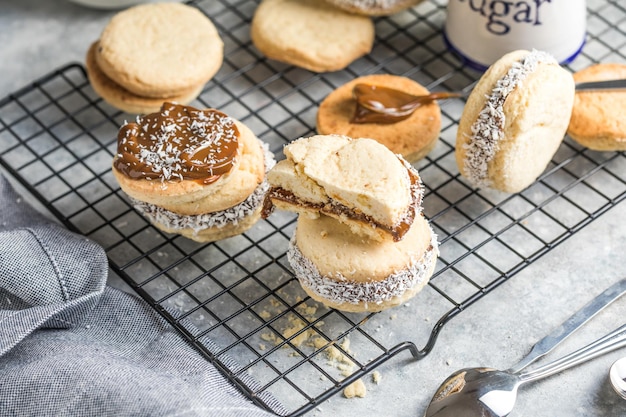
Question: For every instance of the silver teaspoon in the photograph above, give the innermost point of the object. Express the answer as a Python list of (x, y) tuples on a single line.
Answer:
[(617, 375), (487, 392), (453, 385)]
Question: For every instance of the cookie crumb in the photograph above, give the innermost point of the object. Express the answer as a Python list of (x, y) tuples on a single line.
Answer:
[(356, 389), (376, 377)]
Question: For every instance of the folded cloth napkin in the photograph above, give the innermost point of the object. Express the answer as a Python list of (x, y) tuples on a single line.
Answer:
[(72, 346)]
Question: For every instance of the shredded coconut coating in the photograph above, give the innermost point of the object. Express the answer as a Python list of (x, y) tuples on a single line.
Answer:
[(381, 5), (416, 189), (338, 289), (231, 215), (488, 129)]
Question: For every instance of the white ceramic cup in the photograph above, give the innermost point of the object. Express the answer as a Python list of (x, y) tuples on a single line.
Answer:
[(481, 31)]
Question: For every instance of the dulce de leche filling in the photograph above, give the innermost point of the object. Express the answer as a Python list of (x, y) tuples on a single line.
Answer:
[(397, 231), (178, 143)]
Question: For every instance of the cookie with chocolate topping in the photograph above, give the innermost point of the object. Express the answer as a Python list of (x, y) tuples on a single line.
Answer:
[(413, 136), (199, 173)]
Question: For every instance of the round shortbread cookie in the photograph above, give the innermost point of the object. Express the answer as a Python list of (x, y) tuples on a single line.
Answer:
[(374, 7), (219, 224), (160, 49), (347, 272), (514, 121), (120, 98), (413, 137), (310, 34), (598, 120)]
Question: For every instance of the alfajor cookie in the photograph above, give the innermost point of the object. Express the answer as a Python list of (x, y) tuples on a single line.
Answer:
[(359, 182), (160, 49), (310, 34), (198, 173), (344, 271), (361, 241), (129, 102), (597, 120), (514, 121), (374, 7), (413, 137)]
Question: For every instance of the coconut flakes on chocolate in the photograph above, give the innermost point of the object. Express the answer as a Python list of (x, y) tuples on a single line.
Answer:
[(488, 129), (178, 143)]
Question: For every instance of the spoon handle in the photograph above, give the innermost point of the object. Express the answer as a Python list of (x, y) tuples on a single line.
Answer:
[(583, 315), (612, 341), (601, 85)]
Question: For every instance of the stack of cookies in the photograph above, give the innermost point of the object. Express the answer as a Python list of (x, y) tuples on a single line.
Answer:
[(154, 53), (198, 173), (361, 241)]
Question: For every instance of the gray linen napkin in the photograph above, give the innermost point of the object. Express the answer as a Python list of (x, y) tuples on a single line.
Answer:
[(72, 346)]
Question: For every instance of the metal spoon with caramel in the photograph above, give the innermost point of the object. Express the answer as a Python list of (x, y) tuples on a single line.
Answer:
[(378, 104)]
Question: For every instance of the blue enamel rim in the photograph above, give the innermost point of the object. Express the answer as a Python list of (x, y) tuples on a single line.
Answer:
[(482, 67)]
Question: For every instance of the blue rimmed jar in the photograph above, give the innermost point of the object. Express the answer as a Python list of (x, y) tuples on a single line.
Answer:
[(481, 31)]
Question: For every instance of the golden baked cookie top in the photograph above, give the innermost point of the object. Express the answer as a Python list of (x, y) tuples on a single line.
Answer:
[(160, 49), (310, 34), (178, 143)]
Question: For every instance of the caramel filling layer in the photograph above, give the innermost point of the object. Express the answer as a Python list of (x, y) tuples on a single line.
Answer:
[(335, 209)]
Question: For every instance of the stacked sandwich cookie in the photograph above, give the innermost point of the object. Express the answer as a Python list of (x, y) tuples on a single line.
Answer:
[(198, 173), (361, 241), (154, 53), (514, 121), (374, 7)]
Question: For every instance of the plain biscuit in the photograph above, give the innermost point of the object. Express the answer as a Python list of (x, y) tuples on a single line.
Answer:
[(514, 121), (413, 137), (120, 98), (160, 49), (598, 120), (310, 34)]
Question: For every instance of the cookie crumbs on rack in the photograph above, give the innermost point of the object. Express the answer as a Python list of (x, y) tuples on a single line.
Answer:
[(487, 130)]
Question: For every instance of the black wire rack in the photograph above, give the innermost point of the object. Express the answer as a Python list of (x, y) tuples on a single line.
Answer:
[(237, 298)]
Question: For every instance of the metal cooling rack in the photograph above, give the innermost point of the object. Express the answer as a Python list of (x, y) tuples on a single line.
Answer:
[(237, 298)]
